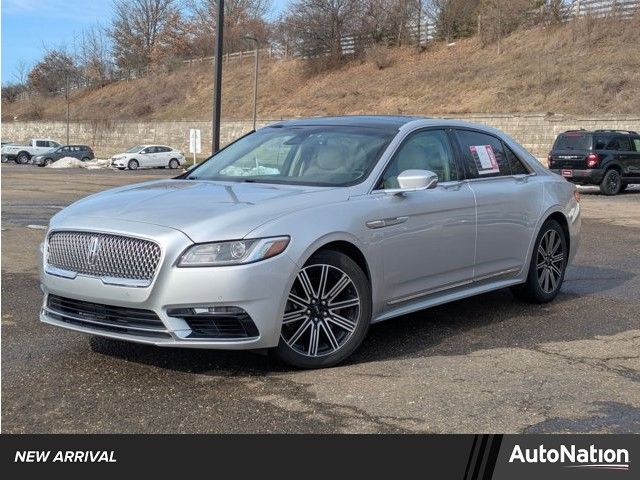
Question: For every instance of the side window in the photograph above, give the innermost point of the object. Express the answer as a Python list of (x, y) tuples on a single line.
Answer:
[(425, 150), (600, 142), (41, 143), (517, 167), (483, 154), (613, 144), (636, 143), (624, 144), (54, 144)]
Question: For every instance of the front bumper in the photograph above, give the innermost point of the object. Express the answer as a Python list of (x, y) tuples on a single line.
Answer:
[(259, 289), (592, 176)]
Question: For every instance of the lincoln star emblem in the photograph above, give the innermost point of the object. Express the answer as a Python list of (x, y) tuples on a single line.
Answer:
[(94, 248)]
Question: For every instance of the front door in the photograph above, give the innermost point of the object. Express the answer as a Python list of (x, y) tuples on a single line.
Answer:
[(428, 237)]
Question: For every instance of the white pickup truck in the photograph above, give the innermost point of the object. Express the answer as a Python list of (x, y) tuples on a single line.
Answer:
[(23, 153)]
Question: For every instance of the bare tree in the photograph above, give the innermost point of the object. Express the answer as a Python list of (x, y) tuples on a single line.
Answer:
[(320, 25), (94, 55), (242, 17), (137, 29), (453, 18)]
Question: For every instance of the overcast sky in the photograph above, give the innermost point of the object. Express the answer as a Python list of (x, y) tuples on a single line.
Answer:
[(27, 25)]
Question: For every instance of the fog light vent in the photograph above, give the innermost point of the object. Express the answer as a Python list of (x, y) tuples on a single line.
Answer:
[(219, 322)]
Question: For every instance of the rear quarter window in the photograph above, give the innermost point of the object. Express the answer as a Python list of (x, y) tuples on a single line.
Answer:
[(573, 141)]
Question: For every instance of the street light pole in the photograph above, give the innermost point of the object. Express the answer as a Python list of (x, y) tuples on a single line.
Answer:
[(217, 78), (255, 79), (67, 95)]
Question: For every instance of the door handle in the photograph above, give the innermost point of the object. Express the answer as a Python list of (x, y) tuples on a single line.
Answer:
[(386, 222), (452, 186)]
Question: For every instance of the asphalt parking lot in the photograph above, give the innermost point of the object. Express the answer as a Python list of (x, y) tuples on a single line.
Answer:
[(485, 364)]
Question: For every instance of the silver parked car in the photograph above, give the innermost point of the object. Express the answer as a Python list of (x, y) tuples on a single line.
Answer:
[(299, 236)]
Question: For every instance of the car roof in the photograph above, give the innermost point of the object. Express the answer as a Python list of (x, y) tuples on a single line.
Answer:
[(606, 131), (380, 121)]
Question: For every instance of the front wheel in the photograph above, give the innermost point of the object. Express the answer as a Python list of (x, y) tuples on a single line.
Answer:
[(548, 265), (133, 165), (173, 164), (611, 183), (23, 158), (48, 161), (327, 314)]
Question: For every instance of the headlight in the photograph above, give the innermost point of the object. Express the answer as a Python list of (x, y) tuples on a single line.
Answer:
[(235, 252)]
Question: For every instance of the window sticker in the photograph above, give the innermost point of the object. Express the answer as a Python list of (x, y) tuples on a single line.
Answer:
[(485, 159)]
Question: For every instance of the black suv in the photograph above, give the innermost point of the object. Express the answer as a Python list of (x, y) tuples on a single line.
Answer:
[(81, 152), (609, 158)]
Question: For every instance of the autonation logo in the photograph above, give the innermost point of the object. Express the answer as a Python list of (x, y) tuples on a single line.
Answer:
[(573, 457)]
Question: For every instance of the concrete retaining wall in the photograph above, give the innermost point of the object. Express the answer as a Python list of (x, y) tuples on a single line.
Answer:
[(535, 131)]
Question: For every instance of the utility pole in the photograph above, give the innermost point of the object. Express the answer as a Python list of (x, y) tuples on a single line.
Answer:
[(217, 78), (255, 78)]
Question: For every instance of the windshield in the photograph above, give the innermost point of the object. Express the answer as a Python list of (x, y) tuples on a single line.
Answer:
[(573, 141), (135, 149), (304, 155)]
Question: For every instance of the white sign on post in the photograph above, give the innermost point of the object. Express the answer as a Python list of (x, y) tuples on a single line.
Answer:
[(195, 143)]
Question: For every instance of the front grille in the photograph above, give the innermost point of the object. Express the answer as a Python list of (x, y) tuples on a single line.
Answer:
[(103, 255), (105, 315)]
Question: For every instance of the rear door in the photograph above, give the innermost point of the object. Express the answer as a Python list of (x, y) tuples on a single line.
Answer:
[(629, 157), (147, 157), (508, 198)]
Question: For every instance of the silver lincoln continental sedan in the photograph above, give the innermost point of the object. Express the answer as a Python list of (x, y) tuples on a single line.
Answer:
[(297, 237)]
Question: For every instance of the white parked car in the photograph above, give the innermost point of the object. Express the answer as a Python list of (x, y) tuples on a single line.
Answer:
[(148, 156)]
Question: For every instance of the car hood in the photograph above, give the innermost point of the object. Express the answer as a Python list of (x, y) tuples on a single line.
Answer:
[(203, 210)]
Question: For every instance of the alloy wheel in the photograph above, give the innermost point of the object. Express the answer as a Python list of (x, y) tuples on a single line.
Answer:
[(614, 182), (550, 261), (323, 310)]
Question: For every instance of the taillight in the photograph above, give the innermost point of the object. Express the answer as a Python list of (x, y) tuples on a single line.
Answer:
[(549, 159), (592, 160), (576, 195)]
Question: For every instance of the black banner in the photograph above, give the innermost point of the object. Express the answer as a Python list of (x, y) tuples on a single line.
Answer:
[(463, 457)]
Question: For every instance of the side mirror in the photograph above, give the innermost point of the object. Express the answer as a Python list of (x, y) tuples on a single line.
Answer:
[(413, 181)]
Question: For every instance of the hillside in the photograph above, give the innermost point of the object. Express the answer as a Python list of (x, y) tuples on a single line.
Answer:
[(579, 68)]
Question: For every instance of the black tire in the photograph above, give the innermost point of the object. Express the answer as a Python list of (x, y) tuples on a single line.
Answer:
[(336, 339), (174, 163), (133, 164), (85, 159), (47, 162), (611, 183), (23, 158), (537, 287)]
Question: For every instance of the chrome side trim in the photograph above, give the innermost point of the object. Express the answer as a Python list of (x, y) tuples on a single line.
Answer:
[(428, 292), (387, 222), (498, 274), (453, 285)]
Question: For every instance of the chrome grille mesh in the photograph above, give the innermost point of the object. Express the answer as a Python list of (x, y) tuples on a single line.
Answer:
[(103, 255)]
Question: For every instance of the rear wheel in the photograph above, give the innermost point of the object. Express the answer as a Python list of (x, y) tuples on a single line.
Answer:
[(23, 158), (327, 313), (133, 164), (48, 161), (85, 159), (611, 183), (173, 164), (548, 265)]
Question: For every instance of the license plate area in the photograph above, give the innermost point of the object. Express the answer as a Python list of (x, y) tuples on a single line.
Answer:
[(567, 173)]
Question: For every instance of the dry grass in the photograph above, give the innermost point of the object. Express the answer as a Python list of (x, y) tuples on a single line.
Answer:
[(580, 68)]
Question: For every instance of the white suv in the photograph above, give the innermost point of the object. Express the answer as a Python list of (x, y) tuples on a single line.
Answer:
[(148, 156)]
